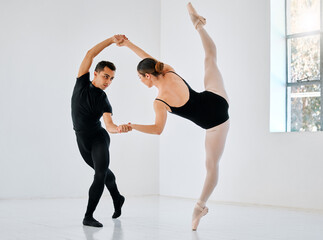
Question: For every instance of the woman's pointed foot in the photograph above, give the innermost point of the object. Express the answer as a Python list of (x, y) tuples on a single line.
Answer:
[(198, 213), (198, 21)]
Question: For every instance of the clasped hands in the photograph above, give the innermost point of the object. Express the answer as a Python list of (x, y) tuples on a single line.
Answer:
[(120, 39), (124, 128)]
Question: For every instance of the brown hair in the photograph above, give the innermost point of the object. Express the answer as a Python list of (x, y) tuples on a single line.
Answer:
[(151, 66)]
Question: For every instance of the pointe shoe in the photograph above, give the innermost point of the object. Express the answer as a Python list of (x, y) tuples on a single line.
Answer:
[(203, 212), (198, 21)]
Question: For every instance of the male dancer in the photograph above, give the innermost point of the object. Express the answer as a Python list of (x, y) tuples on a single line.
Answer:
[(89, 104)]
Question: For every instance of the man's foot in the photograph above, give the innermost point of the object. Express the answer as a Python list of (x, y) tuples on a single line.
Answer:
[(198, 21), (117, 207), (90, 221)]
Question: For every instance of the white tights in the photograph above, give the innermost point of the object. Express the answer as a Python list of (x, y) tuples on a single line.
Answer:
[(215, 138)]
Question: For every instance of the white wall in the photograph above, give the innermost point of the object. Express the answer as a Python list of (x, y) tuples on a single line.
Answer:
[(42, 45), (281, 169)]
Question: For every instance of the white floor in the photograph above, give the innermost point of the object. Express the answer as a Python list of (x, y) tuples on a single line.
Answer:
[(153, 218)]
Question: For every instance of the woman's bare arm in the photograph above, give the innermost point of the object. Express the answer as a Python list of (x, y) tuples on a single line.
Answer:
[(160, 121)]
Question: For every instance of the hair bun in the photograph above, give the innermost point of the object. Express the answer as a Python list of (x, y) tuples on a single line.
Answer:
[(159, 67)]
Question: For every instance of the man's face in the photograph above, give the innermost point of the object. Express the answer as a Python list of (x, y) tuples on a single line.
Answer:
[(104, 78)]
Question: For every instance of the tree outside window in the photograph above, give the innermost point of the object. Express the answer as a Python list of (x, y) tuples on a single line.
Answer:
[(304, 65)]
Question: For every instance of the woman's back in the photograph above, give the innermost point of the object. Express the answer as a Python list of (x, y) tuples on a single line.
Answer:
[(174, 91), (206, 109)]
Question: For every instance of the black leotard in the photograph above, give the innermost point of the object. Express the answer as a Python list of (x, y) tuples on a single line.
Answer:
[(206, 109)]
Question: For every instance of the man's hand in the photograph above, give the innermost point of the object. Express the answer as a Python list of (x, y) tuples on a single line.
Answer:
[(124, 128)]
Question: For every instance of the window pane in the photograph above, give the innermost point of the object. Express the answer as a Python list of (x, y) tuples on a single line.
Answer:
[(305, 108), (304, 58), (303, 16)]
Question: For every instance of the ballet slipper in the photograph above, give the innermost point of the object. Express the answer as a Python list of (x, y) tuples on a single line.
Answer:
[(203, 212), (90, 221), (117, 206), (198, 21)]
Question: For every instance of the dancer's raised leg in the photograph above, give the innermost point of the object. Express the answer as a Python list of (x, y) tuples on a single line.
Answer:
[(212, 78)]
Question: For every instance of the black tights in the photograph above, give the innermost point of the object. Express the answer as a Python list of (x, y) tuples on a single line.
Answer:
[(94, 148)]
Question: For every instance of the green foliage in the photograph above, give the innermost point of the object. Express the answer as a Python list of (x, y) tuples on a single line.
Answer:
[(304, 65)]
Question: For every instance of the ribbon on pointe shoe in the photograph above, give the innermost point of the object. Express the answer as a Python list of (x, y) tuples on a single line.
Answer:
[(200, 21), (203, 212)]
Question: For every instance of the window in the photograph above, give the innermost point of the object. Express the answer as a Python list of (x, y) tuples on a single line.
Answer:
[(303, 46)]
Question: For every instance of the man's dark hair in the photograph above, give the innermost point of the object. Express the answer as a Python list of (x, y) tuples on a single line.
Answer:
[(101, 65)]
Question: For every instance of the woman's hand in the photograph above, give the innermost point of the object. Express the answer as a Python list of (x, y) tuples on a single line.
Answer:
[(120, 39)]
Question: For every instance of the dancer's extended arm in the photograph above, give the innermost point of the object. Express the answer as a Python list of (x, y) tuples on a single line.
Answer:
[(160, 121), (123, 41), (92, 53), (113, 128), (137, 50)]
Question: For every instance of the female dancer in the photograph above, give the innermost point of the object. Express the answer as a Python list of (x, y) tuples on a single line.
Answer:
[(208, 109)]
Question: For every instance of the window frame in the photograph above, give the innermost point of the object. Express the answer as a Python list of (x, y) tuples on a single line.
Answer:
[(311, 82)]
